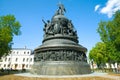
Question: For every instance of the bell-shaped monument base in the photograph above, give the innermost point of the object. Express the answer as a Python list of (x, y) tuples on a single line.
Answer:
[(61, 68), (60, 53)]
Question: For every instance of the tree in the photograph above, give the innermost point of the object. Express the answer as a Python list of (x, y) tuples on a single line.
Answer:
[(109, 32), (98, 54), (9, 27)]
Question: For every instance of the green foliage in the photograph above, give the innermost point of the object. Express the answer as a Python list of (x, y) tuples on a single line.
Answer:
[(110, 31), (109, 49), (110, 34), (98, 53), (8, 28)]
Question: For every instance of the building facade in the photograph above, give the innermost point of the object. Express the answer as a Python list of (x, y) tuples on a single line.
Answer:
[(18, 59)]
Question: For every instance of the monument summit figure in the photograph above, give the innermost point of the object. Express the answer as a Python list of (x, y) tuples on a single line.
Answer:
[(60, 10), (60, 52)]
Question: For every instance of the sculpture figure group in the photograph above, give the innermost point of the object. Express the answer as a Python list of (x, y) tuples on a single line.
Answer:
[(59, 27)]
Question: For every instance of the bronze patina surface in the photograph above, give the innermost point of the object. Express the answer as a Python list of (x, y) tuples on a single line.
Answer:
[(60, 52)]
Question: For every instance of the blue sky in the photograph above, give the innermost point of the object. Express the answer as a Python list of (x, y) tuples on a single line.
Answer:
[(85, 15)]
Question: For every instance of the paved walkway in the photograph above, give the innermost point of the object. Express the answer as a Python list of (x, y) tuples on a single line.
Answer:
[(98, 74), (63, 76)]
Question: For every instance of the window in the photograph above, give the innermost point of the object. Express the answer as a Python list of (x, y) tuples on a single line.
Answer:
[(5, 59), (4, 65), (8, 65), (30, 66), (16, 59), (17, 52), (27, 60), (24, 52), (23, 59), (9, 59), (28, 52), (27, 66), (30, 59), (13, 52)]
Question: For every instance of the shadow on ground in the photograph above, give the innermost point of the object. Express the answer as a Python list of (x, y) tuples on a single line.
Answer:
[(8, 71)]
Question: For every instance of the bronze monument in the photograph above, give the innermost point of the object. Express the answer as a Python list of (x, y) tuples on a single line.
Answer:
[(60, 53)]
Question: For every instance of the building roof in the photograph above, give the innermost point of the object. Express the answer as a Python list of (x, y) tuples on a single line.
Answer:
[(20, 49)]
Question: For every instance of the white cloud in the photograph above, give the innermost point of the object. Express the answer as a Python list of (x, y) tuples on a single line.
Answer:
[(111, 7), (96, 7)]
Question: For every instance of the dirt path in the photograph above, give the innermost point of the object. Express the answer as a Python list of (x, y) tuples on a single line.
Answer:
[(94, 76), (113, 77)]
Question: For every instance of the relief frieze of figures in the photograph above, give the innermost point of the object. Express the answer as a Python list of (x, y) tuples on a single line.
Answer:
[(60, 56)]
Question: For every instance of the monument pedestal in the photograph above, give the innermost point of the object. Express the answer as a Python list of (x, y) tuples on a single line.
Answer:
[(61, 68)]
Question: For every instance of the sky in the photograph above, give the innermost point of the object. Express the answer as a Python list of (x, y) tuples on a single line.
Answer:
[(85, 16)]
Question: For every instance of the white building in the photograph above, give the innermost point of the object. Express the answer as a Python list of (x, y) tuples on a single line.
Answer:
[(18, 59)]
